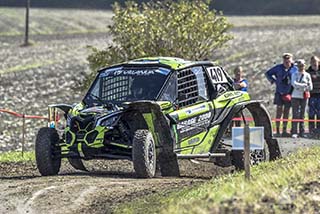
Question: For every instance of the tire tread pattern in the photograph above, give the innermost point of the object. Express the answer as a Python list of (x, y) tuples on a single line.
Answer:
[(46, 163), (140, 154)]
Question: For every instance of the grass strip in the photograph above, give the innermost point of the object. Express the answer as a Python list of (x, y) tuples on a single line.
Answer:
[(275, 187), (17, 156), (44, 33), (27, 67)]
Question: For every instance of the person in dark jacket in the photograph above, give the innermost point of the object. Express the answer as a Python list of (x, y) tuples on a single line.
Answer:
[(314, 101), (281, 76)]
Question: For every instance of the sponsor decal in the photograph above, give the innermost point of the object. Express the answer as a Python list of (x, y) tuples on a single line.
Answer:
[(109, 72), (130, 72), (205, 116), (163, 71), (217, 75), (193, 140), (134, 72), (232, 94), (195, 110), (194, 123)]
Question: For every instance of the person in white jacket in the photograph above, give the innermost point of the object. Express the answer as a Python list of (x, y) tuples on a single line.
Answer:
[(302, 85)]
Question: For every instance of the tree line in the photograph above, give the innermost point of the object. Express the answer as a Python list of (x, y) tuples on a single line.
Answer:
[(229, 7)]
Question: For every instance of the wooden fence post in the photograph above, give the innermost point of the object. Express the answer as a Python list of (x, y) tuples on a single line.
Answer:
[(26, 33), (247, 152)]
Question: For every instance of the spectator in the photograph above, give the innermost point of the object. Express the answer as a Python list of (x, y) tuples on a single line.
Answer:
[(314, 101), (301, 82), (281, 76), (239, 83)]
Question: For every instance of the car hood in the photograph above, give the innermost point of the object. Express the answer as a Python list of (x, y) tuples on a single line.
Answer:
[(80, 110), (96, 110)]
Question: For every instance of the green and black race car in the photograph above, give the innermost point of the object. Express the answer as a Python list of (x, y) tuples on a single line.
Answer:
[(153, 111)]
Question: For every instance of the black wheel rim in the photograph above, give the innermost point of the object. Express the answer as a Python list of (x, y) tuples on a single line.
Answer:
[(258, 156)]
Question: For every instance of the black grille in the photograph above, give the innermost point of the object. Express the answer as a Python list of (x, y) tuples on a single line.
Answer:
[(68, 137), (81, 135), (91, 137), (187, 85), (82, 123)]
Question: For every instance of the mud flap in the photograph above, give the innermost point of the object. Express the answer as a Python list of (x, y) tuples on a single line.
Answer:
[(167, 158), (262, 118), (274, 148), (77, 164), (168, 162)]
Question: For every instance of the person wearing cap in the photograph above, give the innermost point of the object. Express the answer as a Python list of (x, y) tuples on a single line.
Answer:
[(281, 75), (302, 83), (314, 100)]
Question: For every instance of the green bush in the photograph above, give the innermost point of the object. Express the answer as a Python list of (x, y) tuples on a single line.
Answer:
[(186, 29)]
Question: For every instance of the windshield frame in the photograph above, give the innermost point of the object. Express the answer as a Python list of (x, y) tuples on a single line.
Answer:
[(142, 67)]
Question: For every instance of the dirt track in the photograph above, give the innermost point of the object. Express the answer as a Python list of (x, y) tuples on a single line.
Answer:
[(54, 64), (108, 184)]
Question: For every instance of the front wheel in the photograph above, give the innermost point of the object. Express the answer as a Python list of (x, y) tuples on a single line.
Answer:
[(46, 149), (144, 154)]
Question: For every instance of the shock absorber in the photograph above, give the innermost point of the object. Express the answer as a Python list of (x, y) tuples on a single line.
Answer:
[(123, 131)]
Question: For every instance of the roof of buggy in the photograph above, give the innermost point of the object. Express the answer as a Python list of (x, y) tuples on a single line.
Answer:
[(168, 62)]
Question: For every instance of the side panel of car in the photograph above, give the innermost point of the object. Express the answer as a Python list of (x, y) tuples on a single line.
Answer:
[(192, 118), (197, 132), (190, 122), (200, 143)]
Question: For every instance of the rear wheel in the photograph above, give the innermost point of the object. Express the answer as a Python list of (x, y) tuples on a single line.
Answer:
[(46, 149), (256, 157), (144, 154)]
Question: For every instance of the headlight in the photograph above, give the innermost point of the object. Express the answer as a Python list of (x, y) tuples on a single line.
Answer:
[(108, 122)]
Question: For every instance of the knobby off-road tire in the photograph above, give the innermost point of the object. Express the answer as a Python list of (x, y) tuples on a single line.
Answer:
[(256, 157), (144, 154), (46, 141)]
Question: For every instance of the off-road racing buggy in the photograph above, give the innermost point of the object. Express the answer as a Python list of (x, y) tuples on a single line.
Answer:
[(153, 111)]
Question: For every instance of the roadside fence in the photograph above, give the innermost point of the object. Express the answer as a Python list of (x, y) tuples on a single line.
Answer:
[(23, 128), (36, 117)]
